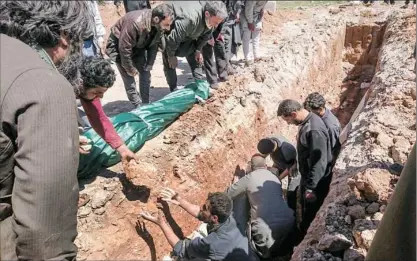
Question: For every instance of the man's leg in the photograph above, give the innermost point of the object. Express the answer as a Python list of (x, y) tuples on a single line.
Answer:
[(246, 38), (196, 69), (209, 65), (144, 76), (256, 39), (221, 58), (170, 74), (228, 42), (130, 86)]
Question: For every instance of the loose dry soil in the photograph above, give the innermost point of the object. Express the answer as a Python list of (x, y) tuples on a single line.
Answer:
[(360, 59)]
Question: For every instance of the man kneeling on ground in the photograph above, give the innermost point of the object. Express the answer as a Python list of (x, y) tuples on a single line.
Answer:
[(224, 240), (271, 220)]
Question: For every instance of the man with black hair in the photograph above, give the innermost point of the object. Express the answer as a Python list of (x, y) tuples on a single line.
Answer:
[(133, 45), (97, 76), (269, 220), (192, 29), (224, 240), (313, 155), (38, 128), (284, 156), (316, 103)]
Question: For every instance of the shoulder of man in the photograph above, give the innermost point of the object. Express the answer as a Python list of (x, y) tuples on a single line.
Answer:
[(19, 58)]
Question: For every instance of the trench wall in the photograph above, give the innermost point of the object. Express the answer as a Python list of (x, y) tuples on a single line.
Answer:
[(380, 133)]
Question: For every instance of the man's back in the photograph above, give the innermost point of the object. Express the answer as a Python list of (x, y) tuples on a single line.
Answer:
[(38, 119), (333, 126), (190, 14), (265, 197)]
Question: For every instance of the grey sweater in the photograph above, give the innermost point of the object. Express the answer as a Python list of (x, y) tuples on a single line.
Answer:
[(264, 192)]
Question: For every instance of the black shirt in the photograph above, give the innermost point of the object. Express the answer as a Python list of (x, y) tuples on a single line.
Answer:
[(313, 150), (333, 127)]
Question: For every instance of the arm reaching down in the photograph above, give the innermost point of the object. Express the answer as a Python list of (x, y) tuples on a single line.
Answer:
[(170, 195)]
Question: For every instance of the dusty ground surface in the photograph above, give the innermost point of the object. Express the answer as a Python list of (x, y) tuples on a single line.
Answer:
[(305, 49)]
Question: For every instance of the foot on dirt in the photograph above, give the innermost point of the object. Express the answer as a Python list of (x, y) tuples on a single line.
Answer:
[(224, 79), (248, 63), (214, 86)]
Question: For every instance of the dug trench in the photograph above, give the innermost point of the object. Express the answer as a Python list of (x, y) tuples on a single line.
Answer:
[(209, 144)]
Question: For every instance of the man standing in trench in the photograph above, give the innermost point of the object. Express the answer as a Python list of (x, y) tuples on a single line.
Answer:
[(38, 128), (314, 156), (133, 45), (224, 240), (316, 103), (193, 27)]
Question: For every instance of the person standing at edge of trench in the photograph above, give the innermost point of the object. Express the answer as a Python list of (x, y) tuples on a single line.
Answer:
[(131, 5), (38, 128), (314, 157)]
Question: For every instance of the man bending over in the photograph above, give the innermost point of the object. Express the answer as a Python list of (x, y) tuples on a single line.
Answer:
[(271, 220), (224, 240)]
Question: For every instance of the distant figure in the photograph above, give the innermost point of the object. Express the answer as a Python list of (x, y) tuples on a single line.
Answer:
[(132, 5), (407, 2)]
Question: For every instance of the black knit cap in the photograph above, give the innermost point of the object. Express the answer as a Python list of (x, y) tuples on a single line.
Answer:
[(266, 146)]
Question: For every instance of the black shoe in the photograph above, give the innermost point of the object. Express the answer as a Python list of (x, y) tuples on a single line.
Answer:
[(224, 79), (214, 86)]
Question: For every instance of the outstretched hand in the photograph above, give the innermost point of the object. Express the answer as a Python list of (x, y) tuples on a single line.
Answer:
[(169, 195), (157, 219)]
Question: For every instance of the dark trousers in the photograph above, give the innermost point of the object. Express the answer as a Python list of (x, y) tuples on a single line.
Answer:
[(217, 66), (368, 1), (408, 1), (139, 59), (310, 209), (187, 50), (389, 1)]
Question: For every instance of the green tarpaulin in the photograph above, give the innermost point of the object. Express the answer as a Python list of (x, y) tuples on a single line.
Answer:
[(140, 125)]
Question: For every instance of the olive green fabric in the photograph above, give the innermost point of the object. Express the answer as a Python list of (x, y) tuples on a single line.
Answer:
[(140, 125)]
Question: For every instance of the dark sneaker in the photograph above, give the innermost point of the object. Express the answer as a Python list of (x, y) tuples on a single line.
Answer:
[(214, 86)]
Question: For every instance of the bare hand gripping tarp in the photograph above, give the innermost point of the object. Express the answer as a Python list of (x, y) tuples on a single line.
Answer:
[(140, 125)]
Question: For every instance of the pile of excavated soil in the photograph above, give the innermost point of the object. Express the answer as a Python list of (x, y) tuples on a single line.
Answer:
[(213, 141)]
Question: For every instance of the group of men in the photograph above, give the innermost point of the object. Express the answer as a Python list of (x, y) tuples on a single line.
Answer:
[(392, 2), (206, 33), (253, 219)]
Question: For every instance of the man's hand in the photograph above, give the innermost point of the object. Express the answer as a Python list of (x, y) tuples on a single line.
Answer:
[(148, 68), (261, 14), (126, 154), (159, 219), (237, 19), (132, 73), (173, 62), (310, 196), (199, 57), (211, 41), (251, 27), (85, 146), (169, 195)]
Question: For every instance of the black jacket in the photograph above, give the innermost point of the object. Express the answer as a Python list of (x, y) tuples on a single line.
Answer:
[(133, 5), (313, 150)]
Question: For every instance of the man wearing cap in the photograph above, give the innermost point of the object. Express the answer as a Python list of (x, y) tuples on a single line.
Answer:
[(284, 156)]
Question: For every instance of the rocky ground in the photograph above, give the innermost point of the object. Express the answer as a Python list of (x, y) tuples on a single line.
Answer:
[(348, 53)]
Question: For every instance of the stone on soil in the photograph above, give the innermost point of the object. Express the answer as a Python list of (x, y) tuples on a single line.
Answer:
[(372, 208), (373, 184), (334, 243), (84, 211), (353, 255), (356, 212), (100, 198)]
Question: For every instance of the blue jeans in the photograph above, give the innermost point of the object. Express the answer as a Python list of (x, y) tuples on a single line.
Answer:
[(89, 49)]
